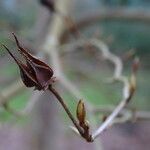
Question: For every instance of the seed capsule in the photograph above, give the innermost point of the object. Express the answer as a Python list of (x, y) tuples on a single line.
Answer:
[(34, 73)]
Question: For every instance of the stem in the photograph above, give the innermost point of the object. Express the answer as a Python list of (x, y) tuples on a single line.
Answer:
[(59, 98)]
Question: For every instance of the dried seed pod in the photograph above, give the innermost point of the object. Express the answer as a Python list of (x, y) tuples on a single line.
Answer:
[(81, 113), (35, 73)]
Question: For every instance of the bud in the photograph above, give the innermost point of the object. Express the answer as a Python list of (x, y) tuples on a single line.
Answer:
[(81, 113)]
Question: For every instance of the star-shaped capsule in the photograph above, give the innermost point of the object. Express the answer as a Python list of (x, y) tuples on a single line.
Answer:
[(34, 73)]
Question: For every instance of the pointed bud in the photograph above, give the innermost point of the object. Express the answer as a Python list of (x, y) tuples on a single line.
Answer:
[(81, 113)]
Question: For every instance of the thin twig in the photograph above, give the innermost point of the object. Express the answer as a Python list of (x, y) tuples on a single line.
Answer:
[(110, 119), (59, 98)]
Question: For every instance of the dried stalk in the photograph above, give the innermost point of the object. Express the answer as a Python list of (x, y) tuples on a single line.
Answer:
[(59, 98)]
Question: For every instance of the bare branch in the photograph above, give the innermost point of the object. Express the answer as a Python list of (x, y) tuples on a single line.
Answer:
[(11, 91), (118, 66), (127, 113), (117, 14)]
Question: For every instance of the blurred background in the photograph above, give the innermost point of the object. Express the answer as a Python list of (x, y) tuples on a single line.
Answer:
[(123, 25)]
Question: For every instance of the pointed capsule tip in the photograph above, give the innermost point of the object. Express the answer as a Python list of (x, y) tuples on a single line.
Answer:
[(16, 39), (16, 60)]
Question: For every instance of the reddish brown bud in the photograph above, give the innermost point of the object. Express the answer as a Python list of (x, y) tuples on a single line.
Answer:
[(81, 113), (34, 73)]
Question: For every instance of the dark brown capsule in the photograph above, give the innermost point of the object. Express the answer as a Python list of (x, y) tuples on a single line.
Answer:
[(35, 73)]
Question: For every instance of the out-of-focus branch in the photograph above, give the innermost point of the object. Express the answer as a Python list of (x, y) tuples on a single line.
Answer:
[(111, 117), (120, 14), (117, 14), (103, 48), (118, 66), (130, 114), (8, 93)]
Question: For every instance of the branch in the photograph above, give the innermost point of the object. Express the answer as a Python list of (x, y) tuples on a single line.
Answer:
[(128, 112), (82, 132), (111, 14), (11, 91), (118, 66)]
